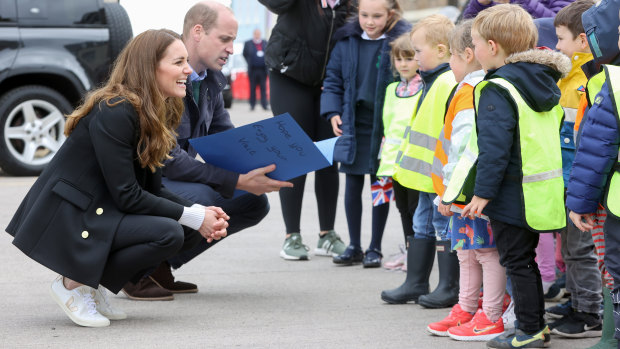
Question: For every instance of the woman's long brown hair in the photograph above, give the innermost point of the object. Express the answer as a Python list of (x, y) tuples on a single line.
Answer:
[(133, 79)]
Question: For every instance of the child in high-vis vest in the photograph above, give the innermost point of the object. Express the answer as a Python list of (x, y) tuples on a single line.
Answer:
[(583, 278), (430, 39), (355, 79), (471, 238), (401, 100), (518, 181), (594, 176)]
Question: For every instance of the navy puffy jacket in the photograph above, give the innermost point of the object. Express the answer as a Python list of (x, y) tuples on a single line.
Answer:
[(596, 154)]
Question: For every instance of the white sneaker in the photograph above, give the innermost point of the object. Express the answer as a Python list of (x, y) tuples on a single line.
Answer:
[(78, 304), (509, 317), (103, 304)]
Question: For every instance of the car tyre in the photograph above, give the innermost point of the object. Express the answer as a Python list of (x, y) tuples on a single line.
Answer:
[(119, 27), (32, 121)]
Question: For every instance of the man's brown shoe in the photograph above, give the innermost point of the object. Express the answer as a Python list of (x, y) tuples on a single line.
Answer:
[(163, 277), (147, 290)]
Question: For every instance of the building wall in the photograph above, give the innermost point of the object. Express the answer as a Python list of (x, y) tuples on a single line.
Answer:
[(251, 15)]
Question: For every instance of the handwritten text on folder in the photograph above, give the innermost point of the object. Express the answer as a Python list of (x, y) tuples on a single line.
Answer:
[(278, 140)]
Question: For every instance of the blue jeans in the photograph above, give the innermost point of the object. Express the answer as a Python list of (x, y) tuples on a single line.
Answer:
[(428, 223), (244, 210)]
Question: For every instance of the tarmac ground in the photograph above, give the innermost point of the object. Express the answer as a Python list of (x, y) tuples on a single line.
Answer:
[(248, 296)]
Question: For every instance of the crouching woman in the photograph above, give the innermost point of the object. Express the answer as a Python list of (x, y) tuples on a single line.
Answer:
[(98, 214)]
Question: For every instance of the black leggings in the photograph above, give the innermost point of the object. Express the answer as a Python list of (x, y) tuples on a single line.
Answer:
[(353, 209), (302, 102), (406, 202), (141, 243)]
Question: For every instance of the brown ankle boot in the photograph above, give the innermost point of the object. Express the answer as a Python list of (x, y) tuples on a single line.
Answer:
[(163, 277), (147, 290)]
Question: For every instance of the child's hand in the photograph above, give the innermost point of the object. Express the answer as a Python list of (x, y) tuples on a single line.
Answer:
[(578, 220), (336, 122), (475, 207), (445, 209)]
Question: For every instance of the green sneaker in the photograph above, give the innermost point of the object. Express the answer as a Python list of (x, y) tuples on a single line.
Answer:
[(518, 339), (330, 245), (294, 249)]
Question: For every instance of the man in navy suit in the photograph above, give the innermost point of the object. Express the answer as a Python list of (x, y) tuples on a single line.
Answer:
[(254, 54)]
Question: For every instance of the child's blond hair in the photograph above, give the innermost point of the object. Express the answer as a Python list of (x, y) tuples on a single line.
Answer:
[(438, 28), (460, 38), (510, 26)]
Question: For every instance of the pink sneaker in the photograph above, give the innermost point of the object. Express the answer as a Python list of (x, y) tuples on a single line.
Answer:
[(397, 261), (480, 328), (457, 317)]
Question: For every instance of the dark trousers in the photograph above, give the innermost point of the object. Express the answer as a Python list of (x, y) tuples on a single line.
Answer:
[(258, 77), (406, 202), (245, 210), (583, 278), (302, 102), (141, 243), (611, 230), (517, 251), (353, 209)]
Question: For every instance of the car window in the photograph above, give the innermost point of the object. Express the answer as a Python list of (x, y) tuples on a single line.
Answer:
[(8, 14), (59, 13)]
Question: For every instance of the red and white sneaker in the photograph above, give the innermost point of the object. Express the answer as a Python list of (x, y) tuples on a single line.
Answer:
[(480, 328), (506, 302), (457, 317)]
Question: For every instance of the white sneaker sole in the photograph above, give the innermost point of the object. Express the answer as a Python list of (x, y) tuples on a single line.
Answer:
[(293, 258), (586, 334), (72, 316), (437, 333), (323, 252), (480, 338), (111, 316)]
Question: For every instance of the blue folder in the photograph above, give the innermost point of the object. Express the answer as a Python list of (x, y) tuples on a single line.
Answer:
[(278, 140)]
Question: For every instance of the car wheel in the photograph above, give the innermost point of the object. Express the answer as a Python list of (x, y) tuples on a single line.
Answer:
[(32, 128), (119, 27)]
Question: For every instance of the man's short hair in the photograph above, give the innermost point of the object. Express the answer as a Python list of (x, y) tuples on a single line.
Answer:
[(570, 16), (438, 29), (204, 13), (510, 26)]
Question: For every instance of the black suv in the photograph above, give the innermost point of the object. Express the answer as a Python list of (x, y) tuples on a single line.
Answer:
[(51, 53)]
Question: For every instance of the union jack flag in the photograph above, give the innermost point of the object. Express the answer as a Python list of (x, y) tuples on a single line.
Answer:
[(581, 89), (382, 191)]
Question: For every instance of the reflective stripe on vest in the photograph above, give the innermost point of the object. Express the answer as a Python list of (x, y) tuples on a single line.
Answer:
[(612, 199), (415, 156), (541, 163), (397, 114), (462, 101)]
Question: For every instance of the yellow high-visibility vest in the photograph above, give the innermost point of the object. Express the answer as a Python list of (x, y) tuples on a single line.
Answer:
[(541, 163), (612, 199), (415, 158), (397, 114)]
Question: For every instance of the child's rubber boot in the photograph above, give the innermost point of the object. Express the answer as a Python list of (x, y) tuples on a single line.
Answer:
[(447, 292), (607, 338), (420, 258)]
